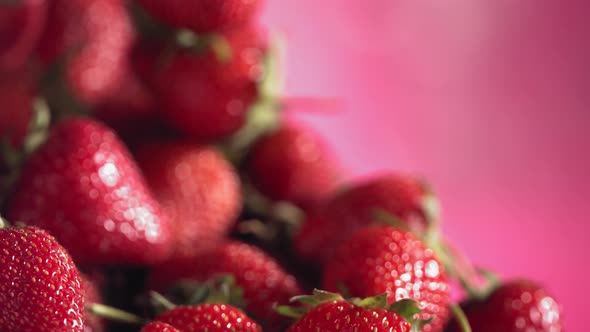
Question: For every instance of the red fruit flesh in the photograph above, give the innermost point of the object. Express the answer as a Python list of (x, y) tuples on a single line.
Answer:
[(293, 164), (388, 260), (514, 307), (21, 25), (338, 316), (84, 188), (159, 327), (198, 189), (353, 208), (209, 317), (40, 287), (263, 281), (203, 15)]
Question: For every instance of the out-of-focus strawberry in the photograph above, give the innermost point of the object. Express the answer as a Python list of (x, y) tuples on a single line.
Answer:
[(386, 259), (293, 164), (17, 92), (405, 198), (197, 188), (203, 15), (86, 190), (263, 281), (520, 305), (21, 25), (204, 96), (92, 39)]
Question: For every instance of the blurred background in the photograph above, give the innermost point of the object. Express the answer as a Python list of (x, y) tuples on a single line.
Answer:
[(487, 99)]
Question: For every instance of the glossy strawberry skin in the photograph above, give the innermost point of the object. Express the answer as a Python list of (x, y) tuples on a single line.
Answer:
[(39, 285), (93, 38), (516, 306), (159, 327), (21, 25), (385, 259), (263, 281), (198, 189), (85, 189), (203, 97), (203, 15), (339, 316), (354, 207), (293, 164), (209, 317)]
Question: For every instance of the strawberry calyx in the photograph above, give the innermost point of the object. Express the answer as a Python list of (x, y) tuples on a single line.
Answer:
[(219, 289), (408, 309)]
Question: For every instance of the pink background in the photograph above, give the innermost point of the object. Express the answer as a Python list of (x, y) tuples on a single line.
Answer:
[(488, 99)]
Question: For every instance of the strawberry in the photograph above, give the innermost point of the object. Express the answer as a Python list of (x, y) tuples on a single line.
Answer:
[(203, 15), (197, 188), (85, 189), (92, 323), (262, 280), (16, 94), (329, 312), (403, 197), (21, 25), (386, 259), (520, 305), (293, 164), (93, 37), (159, 327), (205, 317), (203, 96), (39, 284)]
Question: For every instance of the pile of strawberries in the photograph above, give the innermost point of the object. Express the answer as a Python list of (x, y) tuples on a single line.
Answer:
[(148, 182)]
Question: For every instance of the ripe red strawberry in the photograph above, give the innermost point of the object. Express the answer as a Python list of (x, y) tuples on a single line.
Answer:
[(84, 188), (204, 97), (16, 94), (94, 38), (203, 15), (207, 317), (159, 327), (198, 189), (92, 323), (514, 306), (293, 164), (388, 260), (329, 312), (402, 196), (39, 284), (21, 25), (262, 280)]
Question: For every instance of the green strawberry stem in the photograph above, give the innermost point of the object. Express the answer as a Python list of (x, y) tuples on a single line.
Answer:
[(3, 223), (160, 301), (460, 317), (114, 314)]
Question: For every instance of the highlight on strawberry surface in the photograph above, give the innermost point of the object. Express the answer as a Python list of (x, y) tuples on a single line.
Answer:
[(150, 181)]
